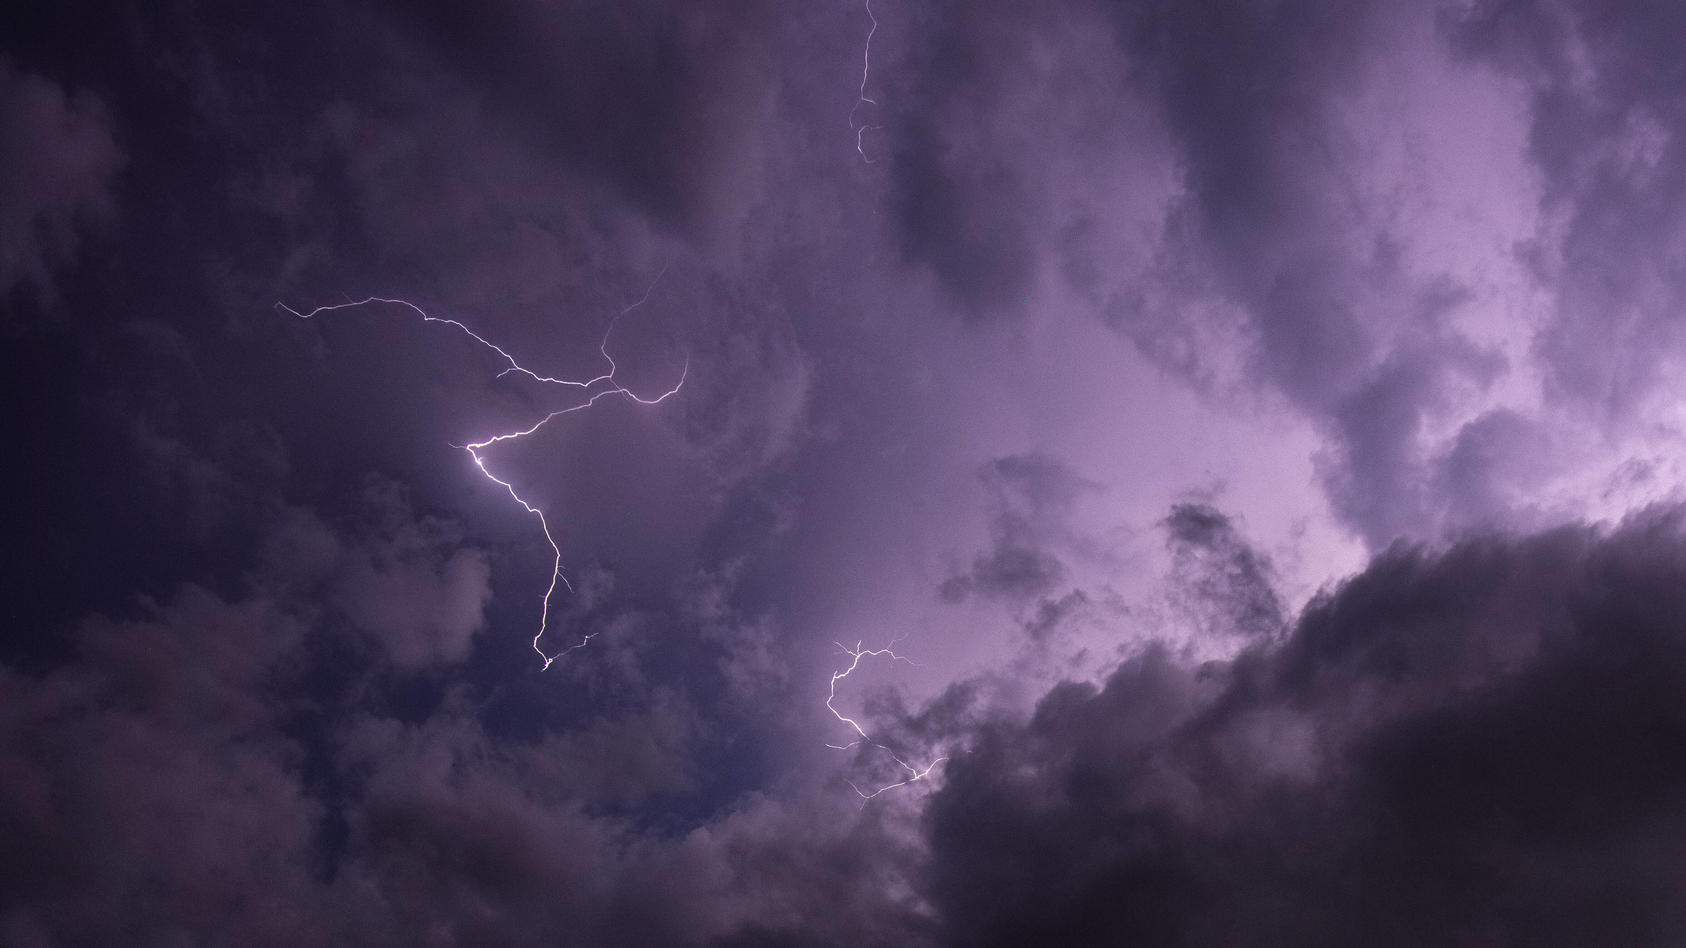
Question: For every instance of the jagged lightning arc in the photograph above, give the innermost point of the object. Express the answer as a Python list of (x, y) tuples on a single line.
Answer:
[(859, 651), (861, 97), (855, 655), (597, 388)]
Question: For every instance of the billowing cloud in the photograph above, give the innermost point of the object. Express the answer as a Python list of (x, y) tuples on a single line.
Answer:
[(1399, 767)]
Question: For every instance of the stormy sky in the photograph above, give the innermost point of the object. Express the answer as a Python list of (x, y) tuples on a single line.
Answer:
[(1228, 445)]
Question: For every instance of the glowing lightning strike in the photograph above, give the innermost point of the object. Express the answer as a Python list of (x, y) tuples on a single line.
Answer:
[(855, 655), (861, 98), (475, 448)]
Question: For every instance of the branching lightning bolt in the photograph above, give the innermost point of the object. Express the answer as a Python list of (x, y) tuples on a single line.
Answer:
[(861, 97), (855, 655), (604, 384), (859, 652)]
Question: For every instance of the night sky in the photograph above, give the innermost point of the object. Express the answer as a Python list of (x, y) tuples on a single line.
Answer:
[(1087, 472)]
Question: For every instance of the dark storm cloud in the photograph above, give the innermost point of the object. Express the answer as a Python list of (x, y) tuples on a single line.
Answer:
[(1492, 462), (1246, 90), (1271, 225), (967, 202), (287, 694), (644, 96), (1270, 254), (1227, 584), (1606, 136), (966, 223), (150, 780), (1479, 745), (58, 155), (1051, 614), (311, 742), (1033, 495), (238, 770), (1378, 473), (408, 583), (1013, 569)]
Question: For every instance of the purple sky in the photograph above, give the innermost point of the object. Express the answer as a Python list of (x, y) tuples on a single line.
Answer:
[(1254, 423)]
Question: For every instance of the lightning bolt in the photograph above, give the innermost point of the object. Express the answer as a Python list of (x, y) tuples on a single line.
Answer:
[(860, 652), (605, 385), (855, 655), (861, 97)]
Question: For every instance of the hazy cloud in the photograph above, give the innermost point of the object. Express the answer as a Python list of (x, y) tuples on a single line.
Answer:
[(56, 168), (1385, 770)]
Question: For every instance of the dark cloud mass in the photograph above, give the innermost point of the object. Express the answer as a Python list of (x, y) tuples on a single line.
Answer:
[(637, 95), (1605, 139), (1474, 747), (1033, 495), (58, 161), (1230, 586), (1161, 472)]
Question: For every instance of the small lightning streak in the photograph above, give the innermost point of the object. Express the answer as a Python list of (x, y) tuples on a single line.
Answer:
[(855, 655), (861, 97), (609, 387)]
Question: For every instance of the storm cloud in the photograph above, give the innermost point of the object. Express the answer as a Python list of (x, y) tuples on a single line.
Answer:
[(1236, 442), (1475, 744)]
